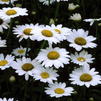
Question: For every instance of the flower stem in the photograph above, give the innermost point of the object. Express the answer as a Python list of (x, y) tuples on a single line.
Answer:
[(56, 11), (10, 29)]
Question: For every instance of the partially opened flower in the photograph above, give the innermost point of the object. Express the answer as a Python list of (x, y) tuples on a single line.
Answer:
[(79, 39), (25, 66), (2, 43), (76, 17), (5, 99), (82, 58), (47, 2), (46, 75), (7, 1), (85, 76), (58, 90), (8, 13), (56, 57), (3, 24), (71, 6)]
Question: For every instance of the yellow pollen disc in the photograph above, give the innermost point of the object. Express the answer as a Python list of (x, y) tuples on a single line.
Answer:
[(81, 59), (44, 75), (53, 55), (27, 66), (86, 77), (80, 41), (47, 33), (11, 12), (21, 51), (27, 31), (59, 91), (5, 0), (3, 62), (57, 30)]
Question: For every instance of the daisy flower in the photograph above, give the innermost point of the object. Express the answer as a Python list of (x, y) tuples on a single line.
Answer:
[(83, 58), (62, 32), (79, 39), (8, 13), (5, 99), (58, 90), (76, 17), (19, 51), (5, 61), (45, 33), (24, 31), (3, 24), (25, 66), (7, 1), (56, 57), (46, 75), (85, 76), (91, 21), (2, 43)]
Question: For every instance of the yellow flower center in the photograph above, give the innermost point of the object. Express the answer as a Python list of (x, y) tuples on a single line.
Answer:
[(59, 91), (44, 75), (86, 77), (81, 59), (1, 21), (11, 12), (53, 55), (57, 30), (47, 33), (3, 62), (21, 51), (80, 41), (27, 31), (27, 66), (5, 0)]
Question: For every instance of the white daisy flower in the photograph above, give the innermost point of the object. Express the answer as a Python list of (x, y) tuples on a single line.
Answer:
[(46, 75), (76, 17), (2, 43), (24, 31), (5, 61), (58, 90), (45, 33), (91, 20), (79, 39), (19, 51), (7, 1), (5, 99), (83, 58), (3, 24), (25, 66), (8, 13), (62, 32), (56, 57), (85, 76)]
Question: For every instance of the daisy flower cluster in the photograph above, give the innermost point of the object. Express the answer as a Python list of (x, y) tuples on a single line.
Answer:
[(41, 53)]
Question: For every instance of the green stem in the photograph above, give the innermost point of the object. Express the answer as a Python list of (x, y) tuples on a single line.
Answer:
[(28, 45), (10, 29), (56, 11), (83, 6)]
